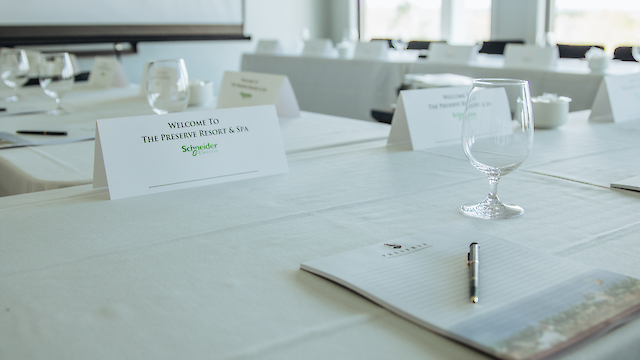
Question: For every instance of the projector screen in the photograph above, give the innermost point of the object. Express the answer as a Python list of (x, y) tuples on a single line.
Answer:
[(29, 22)]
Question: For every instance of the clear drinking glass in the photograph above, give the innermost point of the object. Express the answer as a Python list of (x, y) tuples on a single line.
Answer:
[(14, 67), (167, 86), (497, 135), (56, 78)]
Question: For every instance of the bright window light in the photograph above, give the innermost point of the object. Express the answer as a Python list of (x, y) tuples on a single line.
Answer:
[(401, 19), (422, 19), (478, 19), (611, 23)]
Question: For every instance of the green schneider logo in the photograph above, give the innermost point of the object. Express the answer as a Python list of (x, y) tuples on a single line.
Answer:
[(200, 149)]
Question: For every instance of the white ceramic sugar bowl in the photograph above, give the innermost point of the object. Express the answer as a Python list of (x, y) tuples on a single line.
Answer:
[(550, 111)]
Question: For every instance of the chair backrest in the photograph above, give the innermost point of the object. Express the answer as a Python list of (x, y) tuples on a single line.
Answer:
[(319, 48), (530, 56), (269, 47), (372, 50), (496, 47), (575, 51), (389, 42), (421, 44), (623, 53), (452, 54)]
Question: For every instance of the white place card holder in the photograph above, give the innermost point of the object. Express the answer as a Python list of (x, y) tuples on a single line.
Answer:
[(151, 154), (76, 65), (617, 99), (33, 56), (452, 54), (530, 56), (269, 47), (107, 72), (427, 118), (143, 82), (319, 48), (250, 89), (372, 50)]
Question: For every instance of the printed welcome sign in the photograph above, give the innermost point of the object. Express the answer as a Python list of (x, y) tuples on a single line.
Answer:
[(240, 89), (428, 118), (155, 153)]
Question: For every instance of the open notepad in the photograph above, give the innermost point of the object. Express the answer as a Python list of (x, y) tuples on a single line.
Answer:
[(531, 304), (632, 183)]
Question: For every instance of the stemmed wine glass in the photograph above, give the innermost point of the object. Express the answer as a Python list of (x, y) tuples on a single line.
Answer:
[(497, 135), (14, 66), (56, 78), (167, 86)]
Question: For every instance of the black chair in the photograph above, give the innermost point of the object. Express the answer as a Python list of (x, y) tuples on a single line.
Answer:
[(496, 47), (421, 45), (623, 53), (575, 51), (382, 115), (84, 76)]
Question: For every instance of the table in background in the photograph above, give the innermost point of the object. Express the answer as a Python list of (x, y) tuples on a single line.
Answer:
[(212, 272), (352, 88), (572, 77), (349, 88), (36, 168)]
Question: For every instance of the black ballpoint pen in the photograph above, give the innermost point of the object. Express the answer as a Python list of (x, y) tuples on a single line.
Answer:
[(472, 258), (41, 132)]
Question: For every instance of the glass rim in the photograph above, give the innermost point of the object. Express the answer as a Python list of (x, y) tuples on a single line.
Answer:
[(166, 60), (499, 81)]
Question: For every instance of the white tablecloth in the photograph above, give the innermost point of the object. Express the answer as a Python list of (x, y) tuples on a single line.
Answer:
[(582, 151), (351, 88), (213, 272), (54, 166)]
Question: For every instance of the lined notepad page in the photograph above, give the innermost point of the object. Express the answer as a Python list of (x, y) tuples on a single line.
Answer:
[(425, 278)]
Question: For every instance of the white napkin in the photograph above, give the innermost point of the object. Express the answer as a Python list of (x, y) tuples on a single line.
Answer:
[(551, 98), (595, 53), (598, 59)]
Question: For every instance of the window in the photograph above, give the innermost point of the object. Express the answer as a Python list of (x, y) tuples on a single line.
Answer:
[(478, 20), (423, 20), (611, 23), (401, 19)]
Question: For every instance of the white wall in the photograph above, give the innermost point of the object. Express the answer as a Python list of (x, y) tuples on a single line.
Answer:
[(343, 15), (207, 60)]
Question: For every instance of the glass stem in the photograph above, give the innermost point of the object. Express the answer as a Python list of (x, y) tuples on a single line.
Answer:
[(58, 103), (492, 198)]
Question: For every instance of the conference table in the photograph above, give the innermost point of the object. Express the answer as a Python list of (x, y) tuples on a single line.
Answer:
[(352, 88), (213, 272), (46, 167)]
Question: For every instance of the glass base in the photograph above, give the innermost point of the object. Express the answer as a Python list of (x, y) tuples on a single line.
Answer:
[(12, 98), (59, 111), (493, 211)]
